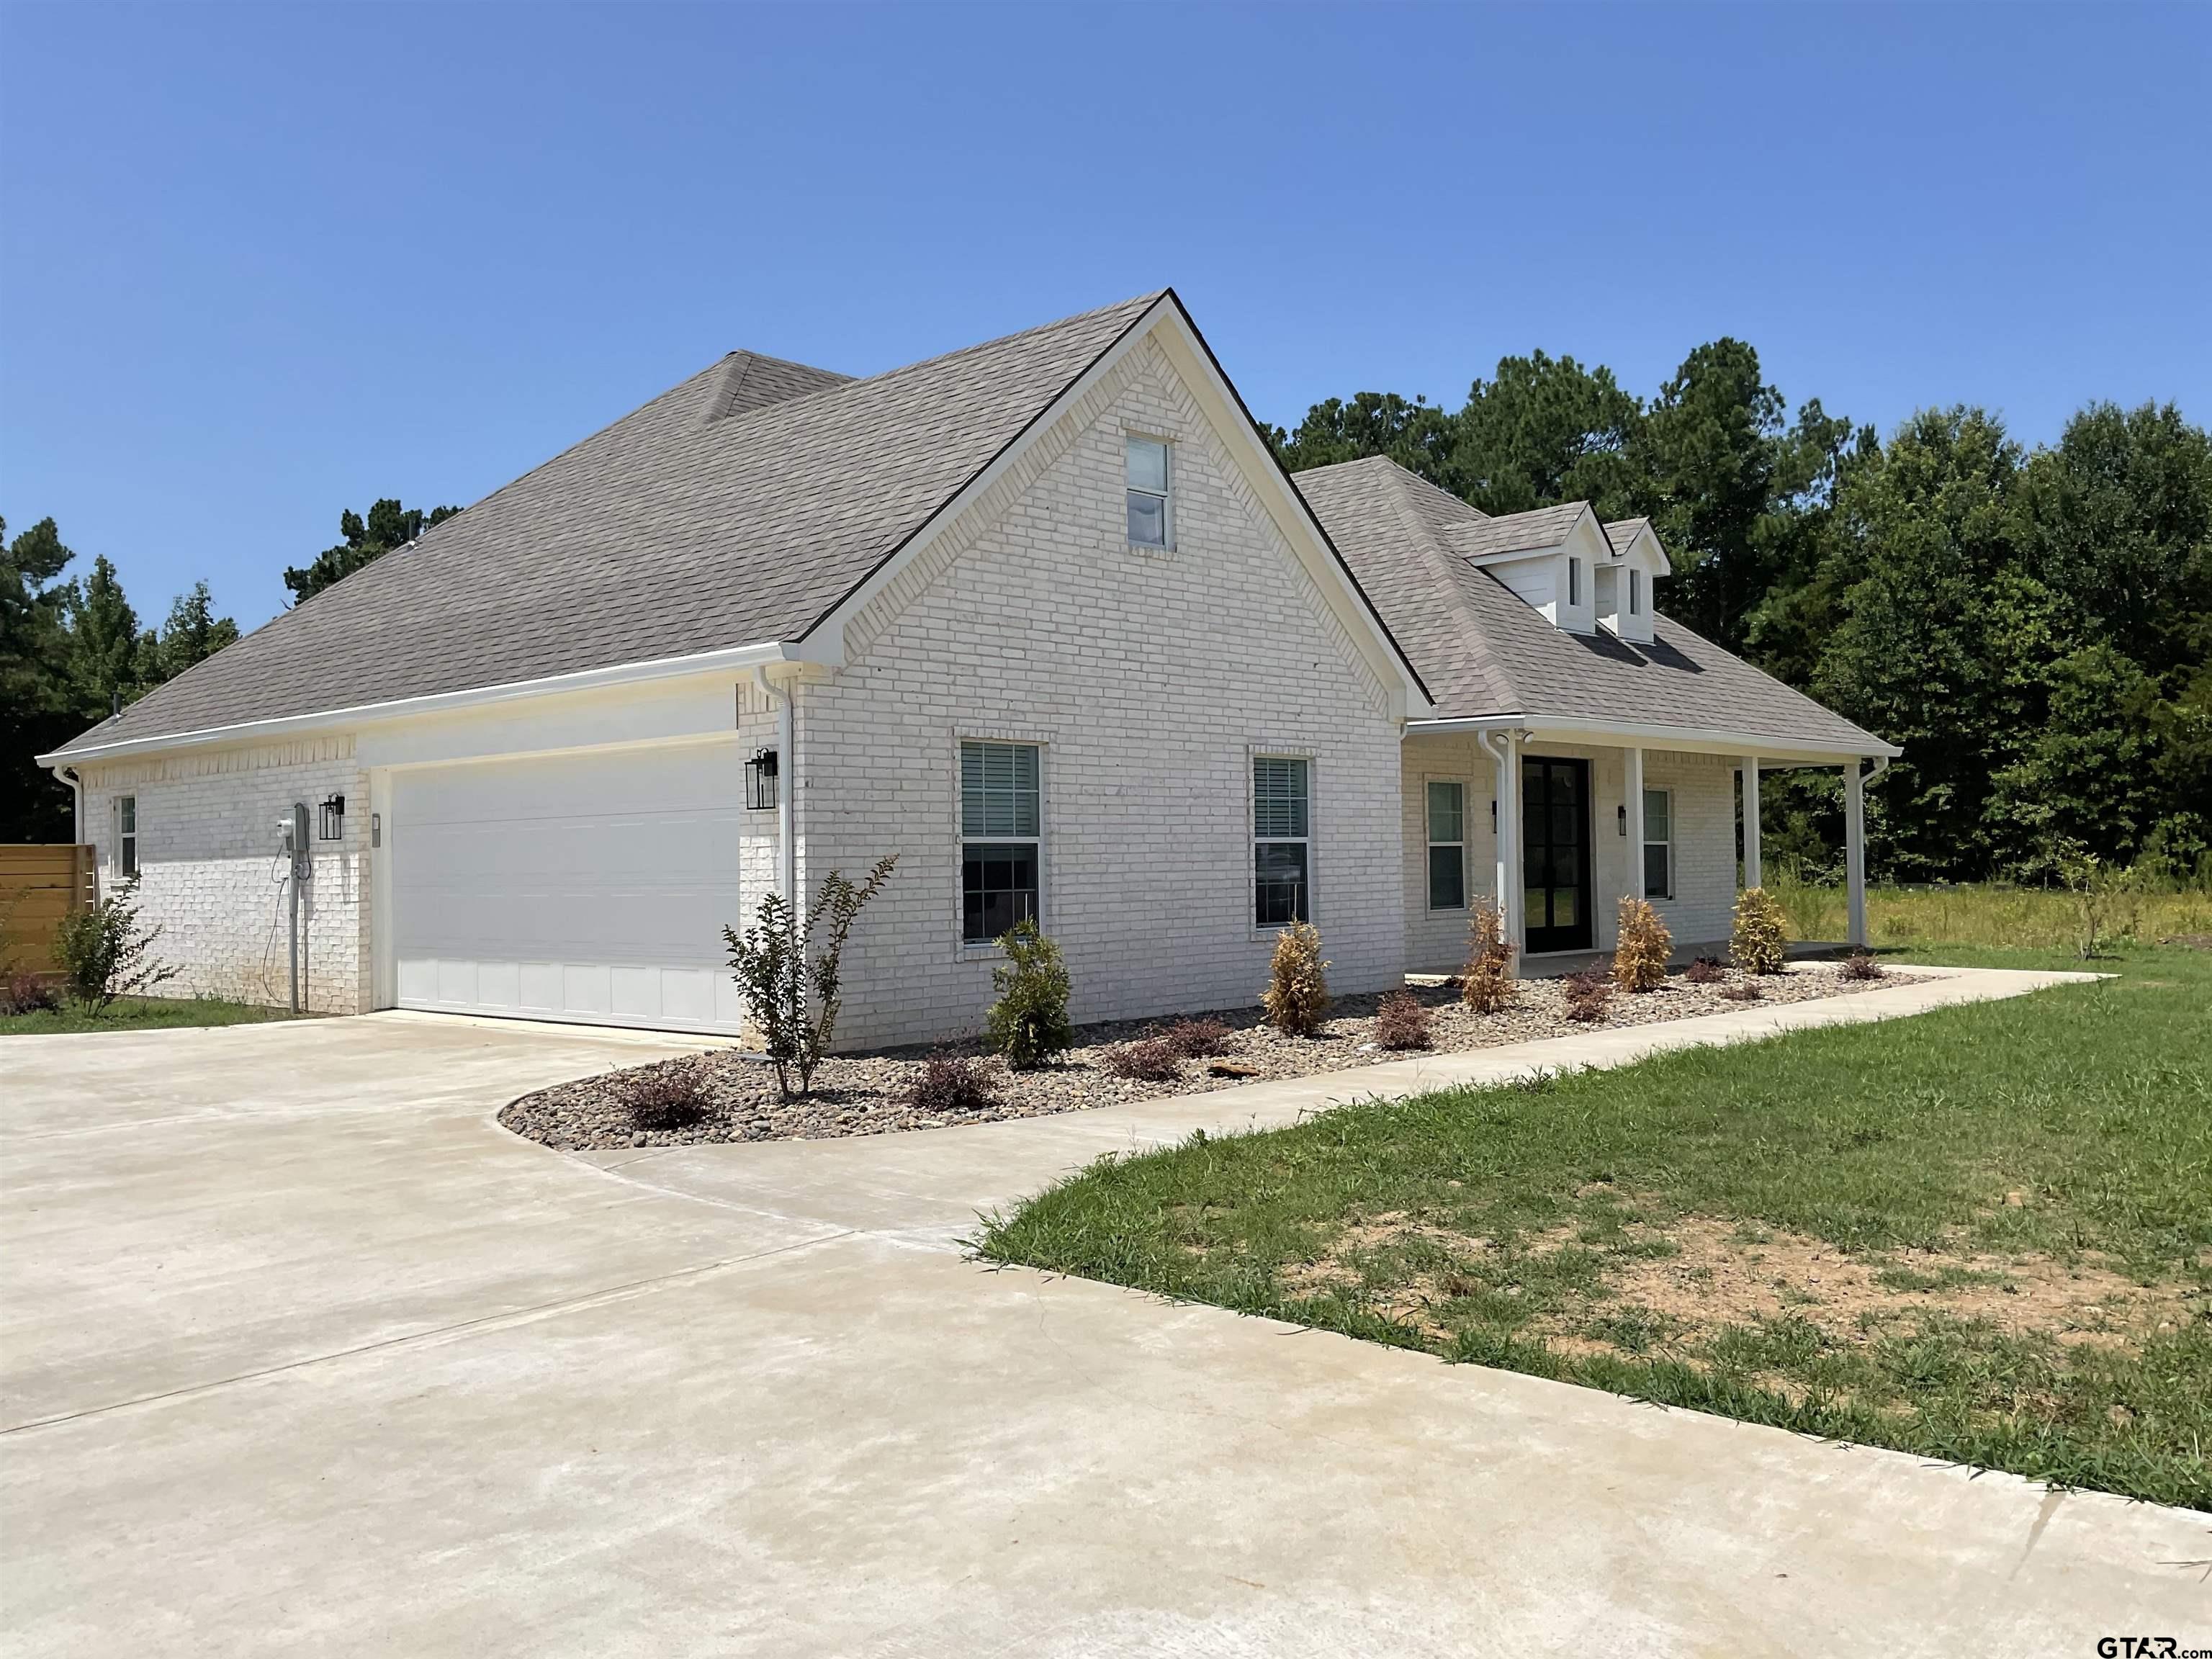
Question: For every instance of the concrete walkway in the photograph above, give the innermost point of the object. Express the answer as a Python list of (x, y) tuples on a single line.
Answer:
[(300, 1350)]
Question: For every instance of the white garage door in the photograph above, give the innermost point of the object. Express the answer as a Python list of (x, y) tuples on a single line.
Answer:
[(589, 887)]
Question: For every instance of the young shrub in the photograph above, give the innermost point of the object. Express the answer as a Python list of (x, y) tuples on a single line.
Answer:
[(1704, 972), (1402, 1023), (1152, 1060), (952, 1086), (1198, 1039), (1485, 984), (1640, 961), (1755, 943), (787, 969), (1589, 993), (1029, 1022), (103, 951), (1297, 996), (1861, 966), (665, 1097), (1744, 991), (27, 994)]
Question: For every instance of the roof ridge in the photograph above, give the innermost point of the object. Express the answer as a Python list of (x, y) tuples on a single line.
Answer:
[(1139, 301)]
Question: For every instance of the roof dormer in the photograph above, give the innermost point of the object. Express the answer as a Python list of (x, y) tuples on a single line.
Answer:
[(1635, 562), (1552, 558)]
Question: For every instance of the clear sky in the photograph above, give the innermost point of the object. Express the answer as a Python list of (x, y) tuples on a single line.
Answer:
[(259, 263)]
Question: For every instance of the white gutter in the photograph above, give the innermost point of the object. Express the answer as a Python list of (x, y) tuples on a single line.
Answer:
[(68, 775), (1650, 735), (629, 673), (786, 792)]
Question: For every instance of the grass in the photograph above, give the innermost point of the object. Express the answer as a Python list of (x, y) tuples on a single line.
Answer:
[(139, 1014), (1984, 1234), (2009, 917)]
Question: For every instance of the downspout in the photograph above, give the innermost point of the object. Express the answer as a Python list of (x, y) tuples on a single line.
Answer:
[(786, 795), (69, 775)]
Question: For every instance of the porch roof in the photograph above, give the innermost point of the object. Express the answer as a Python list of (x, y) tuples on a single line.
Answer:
[(1485, 654)]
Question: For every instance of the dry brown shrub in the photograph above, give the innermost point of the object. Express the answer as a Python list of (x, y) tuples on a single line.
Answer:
[(1296, 997), (1756, 943), (1639, 960), (1402, 1023), (1485, 984)]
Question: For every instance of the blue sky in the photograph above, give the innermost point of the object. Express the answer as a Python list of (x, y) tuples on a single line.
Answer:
[(260, 263)]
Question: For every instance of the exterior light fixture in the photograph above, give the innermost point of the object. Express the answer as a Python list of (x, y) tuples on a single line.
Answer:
[(332, 824), (760, 782), (1621, 813)]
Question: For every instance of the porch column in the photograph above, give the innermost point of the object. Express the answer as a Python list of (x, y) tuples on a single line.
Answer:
[(1751, 872), (1632, 793), (1509, 845), (1855, 851)]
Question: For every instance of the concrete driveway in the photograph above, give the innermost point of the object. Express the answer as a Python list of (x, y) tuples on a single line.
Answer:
[(302, 1352)]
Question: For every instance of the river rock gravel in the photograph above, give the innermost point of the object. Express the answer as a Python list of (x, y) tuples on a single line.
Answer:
[(870, 1094)]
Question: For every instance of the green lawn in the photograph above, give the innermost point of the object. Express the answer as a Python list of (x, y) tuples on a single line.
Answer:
[(1983, 1234), (140, 1014)]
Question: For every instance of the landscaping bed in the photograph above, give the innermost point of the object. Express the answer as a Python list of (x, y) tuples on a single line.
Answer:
[(870, 1094)]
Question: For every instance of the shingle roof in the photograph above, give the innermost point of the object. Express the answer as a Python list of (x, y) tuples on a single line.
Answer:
[(738, 506), (1621, 531), (1482, 650), (1473, 535)]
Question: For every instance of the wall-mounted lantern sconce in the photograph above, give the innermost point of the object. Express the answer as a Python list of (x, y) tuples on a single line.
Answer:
[(760, 782), (1622, 813), (376, 828), (332, 824)]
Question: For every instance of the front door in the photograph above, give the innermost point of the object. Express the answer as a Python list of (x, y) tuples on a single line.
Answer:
[(1555, 857)]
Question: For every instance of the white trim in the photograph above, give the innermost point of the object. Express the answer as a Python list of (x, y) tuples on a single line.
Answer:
[(1683, 740), (631, 673), (966, 949), (1253, 754), (1165, 494), (1430, 906)]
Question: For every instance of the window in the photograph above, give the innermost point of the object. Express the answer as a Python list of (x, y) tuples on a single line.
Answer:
[(1658, 843), (1282, 816), (1447, 847), (1635, 592), (126, 836), (1148, 492), (1574, 581), (1000, 832)]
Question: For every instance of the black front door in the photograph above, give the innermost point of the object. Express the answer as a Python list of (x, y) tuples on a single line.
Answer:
[(1555, 853)]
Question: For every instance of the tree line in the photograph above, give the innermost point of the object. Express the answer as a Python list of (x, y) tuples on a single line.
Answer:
[(72, 650), (2033, 625)]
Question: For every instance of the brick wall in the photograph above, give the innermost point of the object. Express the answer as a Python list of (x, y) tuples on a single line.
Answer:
[(1704, 788), (1150, 678), (209, 869)]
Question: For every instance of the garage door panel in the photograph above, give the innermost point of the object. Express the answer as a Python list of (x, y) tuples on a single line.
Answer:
[(583, 887)]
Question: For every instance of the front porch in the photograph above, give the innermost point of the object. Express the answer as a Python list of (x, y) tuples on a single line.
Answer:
[(1554, 826)]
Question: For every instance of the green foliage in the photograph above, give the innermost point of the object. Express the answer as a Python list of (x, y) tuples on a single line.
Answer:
[(787, 969), (1757, 940), (104, 952), (1296, 994), (364, 541), (1029, 1022)]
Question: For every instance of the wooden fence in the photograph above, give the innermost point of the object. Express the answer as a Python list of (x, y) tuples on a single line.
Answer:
[(38, 886)]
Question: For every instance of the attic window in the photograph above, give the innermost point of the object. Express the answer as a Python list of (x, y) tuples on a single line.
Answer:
[(1635, 592), (1147, 466), (1574, 581)]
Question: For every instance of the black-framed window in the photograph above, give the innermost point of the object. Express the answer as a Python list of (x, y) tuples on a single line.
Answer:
[(1282, 839), (1001, 837), (1447, 809)]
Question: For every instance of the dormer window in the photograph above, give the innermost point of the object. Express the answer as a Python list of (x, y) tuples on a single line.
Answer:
[(1635, 592), (1147, 465), (1574, 581)]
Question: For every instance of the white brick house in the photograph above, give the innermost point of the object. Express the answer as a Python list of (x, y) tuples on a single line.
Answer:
[(1042, 617)]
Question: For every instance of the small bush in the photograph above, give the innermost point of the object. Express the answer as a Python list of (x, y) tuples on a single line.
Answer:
[(1589, 993), (1029, 1022), (1704, 972), (1485, 984), (1296, 997), (665, 1097), (1198, 1039), (1402, 1023), (787, 969), (103, 951), (1640, 961), (1152, 1060), (1861, 964), (950, 1085), (27, 994), (1756, 942), (1744, 991)]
